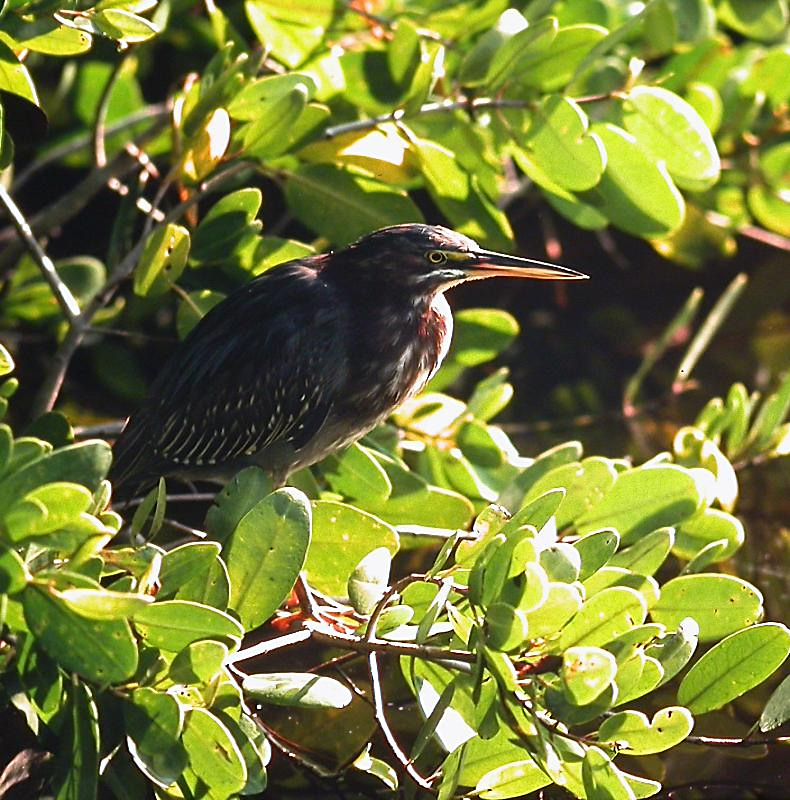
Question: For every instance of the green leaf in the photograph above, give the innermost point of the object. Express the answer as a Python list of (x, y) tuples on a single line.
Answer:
[(756, 19), (245, 106), (604, 616), (369, 580), (226, 225), (272, 250), (643, 500), (560, 143), (100, 650), (513, 495), (378, 768), (458, 196), (586, 673), (194, 571), (268, 135), (162, 261), (103, 603), (342, 537), (213, 753), (46, 509), (506, 627), (602, 779), (291, 31), (520, 51), (198, 663), (174, 624), (674, 650), (555, 67), (515, 778), (562, 602), (123, 26), (481, 334), (414, 502), (585, 484), (342, 206), (244, 491), (490, 396), (777, 709), (636, 735), (668, 128), (59, 40), (301, 689), (720, 604), (265, 554), (595, 550), (561, 562), (14, 77), (13, 572), (153, 719), (635, 192), (648, 554), (6, 361), (77, 763), (708, 526), (357, 475), (86, 463), (733, 666)]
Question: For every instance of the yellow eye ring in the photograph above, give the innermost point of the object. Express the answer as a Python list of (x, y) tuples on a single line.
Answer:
[(437, 257)]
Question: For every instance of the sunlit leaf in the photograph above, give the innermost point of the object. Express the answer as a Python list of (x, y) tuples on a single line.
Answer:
[(733, 666)]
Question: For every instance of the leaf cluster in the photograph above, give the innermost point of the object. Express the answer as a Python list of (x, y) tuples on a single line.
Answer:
[(590, 583)]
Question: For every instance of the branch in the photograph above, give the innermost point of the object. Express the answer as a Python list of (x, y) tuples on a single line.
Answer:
[(53, 380), (769, 238), (62, 292), (381, 718), (715, 741), (441, 107), (156, 113), (453, 658)]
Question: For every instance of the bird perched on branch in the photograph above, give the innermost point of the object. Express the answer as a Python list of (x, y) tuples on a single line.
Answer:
[(307, 357)]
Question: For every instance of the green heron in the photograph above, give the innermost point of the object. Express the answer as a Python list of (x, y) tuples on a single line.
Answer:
[(307, 357)]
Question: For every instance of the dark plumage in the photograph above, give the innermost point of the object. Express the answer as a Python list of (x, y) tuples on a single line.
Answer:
[(307, 357)]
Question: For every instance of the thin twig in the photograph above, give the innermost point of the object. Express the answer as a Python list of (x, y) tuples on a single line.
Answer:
[(100, 123), (715, 319), (657, 349), (270, 645), (769, 238), (381, 718), (454, 658), (155, 113), (53, 380), (716, 741), (439, 107), (65, 298)]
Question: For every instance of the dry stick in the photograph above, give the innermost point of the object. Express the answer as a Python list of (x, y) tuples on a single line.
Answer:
[(100, 123), (156, 112), (442, 106), (62, 292), (381, 718), (715, 741), (69, 205), (53, 380), (715, 319), (657, 349)]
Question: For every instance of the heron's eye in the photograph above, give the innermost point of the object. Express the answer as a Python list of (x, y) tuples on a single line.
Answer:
[(436, 257)]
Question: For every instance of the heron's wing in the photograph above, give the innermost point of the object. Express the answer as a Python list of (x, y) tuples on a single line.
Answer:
[(263, 367)]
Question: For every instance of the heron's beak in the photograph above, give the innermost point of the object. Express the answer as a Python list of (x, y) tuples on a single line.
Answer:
[(488, 264)]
